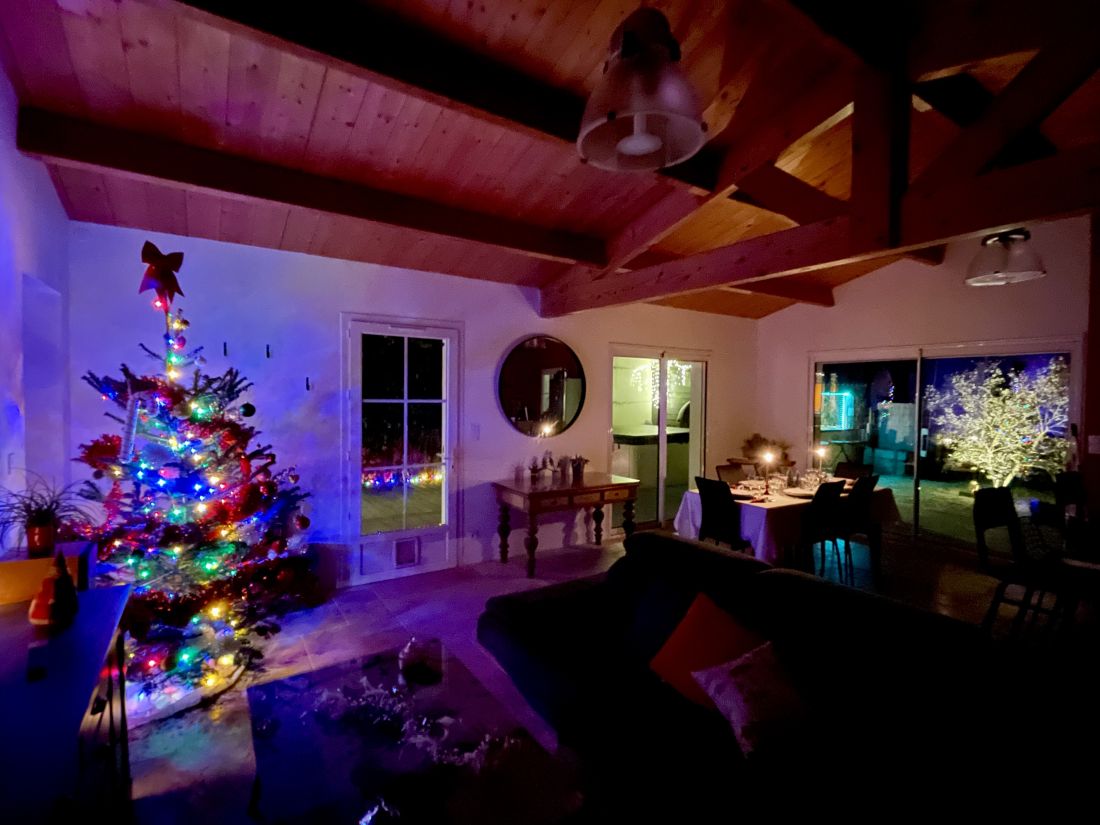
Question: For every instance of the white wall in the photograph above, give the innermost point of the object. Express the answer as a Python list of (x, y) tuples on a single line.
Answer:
[(250, 297), (911, 304), (33, 242)]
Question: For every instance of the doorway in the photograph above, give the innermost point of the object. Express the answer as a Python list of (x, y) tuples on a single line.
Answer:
[(402, 425), (658, 408)]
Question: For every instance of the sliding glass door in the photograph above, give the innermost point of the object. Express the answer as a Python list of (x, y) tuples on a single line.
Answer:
[(657, 430), (992, 420), (864, 416), (934, 427)]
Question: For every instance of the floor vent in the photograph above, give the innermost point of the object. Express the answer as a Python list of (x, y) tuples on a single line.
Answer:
[(406, 552)]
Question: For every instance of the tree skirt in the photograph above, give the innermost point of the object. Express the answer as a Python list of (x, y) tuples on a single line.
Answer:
[(143, 707)]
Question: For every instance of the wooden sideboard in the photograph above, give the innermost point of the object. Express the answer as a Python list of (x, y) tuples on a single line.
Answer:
[(535, 498)]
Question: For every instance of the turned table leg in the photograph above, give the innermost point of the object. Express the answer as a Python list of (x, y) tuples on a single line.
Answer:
[(531, 543), (628, 517), (597, 520), (503, 529)]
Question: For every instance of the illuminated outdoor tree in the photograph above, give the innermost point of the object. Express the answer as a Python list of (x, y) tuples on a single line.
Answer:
[(1004, 425)]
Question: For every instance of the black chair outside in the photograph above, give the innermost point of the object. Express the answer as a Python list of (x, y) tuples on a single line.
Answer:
[(1071, 501), (851, 470), (856, 519), (1031, 565), (822, 522), (721, 516)]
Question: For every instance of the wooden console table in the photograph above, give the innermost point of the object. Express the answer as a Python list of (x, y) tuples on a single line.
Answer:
[(595, 490)]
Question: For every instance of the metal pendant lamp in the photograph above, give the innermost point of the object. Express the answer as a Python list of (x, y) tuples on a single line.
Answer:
[(644, 113), (1005, 258)]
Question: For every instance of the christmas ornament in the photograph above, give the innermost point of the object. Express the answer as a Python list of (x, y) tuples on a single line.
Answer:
[(247, 410), (160, 275), (302, 522), (134, 403)]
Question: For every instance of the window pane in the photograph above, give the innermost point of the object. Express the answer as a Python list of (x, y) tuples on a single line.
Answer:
[(383, 435), (991, 421), (425, 433), (383, 501), (425, 368), (425, 497), (383, 366)]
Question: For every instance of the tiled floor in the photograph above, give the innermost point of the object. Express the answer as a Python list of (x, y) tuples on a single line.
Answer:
[(199, 767)]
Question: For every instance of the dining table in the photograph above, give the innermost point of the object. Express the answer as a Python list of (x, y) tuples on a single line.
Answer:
[(773, 525)]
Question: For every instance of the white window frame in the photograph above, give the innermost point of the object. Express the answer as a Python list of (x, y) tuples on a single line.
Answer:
[(351, 323)]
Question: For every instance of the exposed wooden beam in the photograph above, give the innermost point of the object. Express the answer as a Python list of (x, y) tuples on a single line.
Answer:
[(951, 35), (743, 54), (784, 252), (400, 54), (751, 147), (784, 288), (396, 52), (1053, 187), (650, 227), (962, 99), (1040, 87), (865, 29), (781, 192), (72, 142), (930, 255), (1066, 184), (880, 156)]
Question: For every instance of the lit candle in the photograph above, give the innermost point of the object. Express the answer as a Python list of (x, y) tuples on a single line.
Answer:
[(820, 453), (768, 459)]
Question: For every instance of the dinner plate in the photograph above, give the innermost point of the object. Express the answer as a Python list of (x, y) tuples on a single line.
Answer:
[(798, 492)]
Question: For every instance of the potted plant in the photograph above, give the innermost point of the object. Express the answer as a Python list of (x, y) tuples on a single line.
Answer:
[(39, 512), (756, 445)]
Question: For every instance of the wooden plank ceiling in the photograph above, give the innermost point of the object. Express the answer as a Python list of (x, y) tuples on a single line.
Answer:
[(436, 135)]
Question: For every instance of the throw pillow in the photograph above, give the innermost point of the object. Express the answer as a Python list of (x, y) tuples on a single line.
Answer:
[(705, 637), (756, 695)]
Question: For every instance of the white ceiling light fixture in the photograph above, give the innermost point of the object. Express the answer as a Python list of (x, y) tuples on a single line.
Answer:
[(1005, 258), (644, 113)]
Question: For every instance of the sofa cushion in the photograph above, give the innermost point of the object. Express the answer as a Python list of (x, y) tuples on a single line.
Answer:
[(707, 636), (655, 584), (758, 699)]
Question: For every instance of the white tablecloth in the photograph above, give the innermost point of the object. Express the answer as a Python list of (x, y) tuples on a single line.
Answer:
[(772, 526)]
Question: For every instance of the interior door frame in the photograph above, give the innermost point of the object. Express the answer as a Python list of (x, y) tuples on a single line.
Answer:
[(1073, 344), (662, 355), (454, 332)]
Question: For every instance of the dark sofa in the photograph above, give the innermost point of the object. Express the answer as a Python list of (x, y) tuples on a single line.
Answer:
[(903, 700)]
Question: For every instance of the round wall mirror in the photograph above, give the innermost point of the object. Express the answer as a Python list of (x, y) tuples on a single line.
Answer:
[(541, 386)]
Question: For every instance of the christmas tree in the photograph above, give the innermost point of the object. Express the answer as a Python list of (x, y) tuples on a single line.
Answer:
[(196, 517)]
